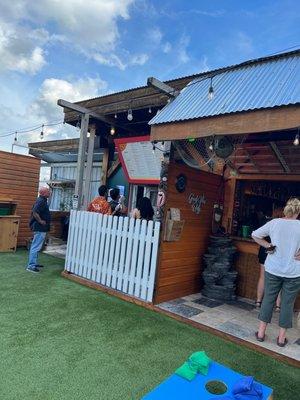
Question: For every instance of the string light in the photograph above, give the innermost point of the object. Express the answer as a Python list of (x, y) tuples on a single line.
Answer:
[(30, 129), (150, 110), (112, 130), (16, 136), (116, 116), (296, 140), (153, 148), (129, 115), (211, 90), (42, 133)]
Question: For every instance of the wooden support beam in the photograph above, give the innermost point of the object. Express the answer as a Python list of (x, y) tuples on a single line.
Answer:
[(91, 113), (81, 159), (280, 157), (162, 87), (105, 166), (240, 123), (113, 168), (89, 167), (268, 177)]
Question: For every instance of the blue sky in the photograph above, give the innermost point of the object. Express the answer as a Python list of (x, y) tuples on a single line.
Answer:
[(77, 49)]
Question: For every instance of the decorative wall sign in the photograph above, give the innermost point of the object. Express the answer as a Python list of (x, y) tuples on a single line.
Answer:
[(197, 202), (140, 163), (161, 198), (181, 183)]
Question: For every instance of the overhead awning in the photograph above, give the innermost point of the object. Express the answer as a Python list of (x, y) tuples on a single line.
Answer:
[(257, 96), (259, 121)]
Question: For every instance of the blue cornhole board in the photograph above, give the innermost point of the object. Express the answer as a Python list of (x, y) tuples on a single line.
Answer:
[(177, 388)]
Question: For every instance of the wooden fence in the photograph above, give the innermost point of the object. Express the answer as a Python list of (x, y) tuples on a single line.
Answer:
[(120, 253)]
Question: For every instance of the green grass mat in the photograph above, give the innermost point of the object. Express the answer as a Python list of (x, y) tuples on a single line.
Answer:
[(62, 341)]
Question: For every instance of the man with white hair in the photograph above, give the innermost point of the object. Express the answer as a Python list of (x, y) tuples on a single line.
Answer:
[(40, 225)]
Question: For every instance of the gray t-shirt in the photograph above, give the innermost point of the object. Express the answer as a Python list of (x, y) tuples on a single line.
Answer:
[(285, 235)]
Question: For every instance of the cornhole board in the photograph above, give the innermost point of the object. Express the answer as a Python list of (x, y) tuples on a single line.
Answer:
[(177, 388)]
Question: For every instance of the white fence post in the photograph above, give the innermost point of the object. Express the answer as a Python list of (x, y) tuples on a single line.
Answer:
[(119, 253)]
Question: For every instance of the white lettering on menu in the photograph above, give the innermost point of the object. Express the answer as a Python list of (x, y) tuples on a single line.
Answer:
[(196, 202)]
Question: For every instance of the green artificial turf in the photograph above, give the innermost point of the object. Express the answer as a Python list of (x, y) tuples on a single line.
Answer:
[(62, 341)]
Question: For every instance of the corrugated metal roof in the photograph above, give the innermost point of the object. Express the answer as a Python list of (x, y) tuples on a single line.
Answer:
[(265, 84)]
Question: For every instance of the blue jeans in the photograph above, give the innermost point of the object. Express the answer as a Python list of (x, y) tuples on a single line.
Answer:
[(36, 246)]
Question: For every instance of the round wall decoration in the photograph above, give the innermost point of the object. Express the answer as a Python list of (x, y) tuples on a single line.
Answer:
[(181, 183)]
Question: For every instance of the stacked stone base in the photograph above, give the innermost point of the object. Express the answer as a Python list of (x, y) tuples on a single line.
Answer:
[(219, 274)]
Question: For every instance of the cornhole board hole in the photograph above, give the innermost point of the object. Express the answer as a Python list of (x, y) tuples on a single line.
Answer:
[(177, 388)]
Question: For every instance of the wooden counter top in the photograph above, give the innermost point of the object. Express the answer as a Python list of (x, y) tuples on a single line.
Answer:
[(245, 245)]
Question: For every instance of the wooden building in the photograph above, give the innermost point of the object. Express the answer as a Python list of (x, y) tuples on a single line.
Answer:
[(19, 181), (228, 128)]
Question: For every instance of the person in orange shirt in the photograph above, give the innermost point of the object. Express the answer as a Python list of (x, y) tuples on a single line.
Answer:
[(100, 204)]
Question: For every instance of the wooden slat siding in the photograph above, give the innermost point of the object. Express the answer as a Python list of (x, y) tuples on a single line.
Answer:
[(19, 180), (180, 263), (111, 251)]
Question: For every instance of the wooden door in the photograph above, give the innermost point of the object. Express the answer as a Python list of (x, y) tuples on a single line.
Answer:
[(9, 227)]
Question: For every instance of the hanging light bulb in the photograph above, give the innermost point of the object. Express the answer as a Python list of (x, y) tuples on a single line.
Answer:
[(158, 111), (211, 145), (296, 140), (16, 137), (42, 133), (150, 110), (129, 115), (153, 148), (112, 130), (116, 116), (210, 90)]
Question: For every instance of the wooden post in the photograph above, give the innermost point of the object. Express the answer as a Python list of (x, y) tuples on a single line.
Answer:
[(105, 166), (88, 168), (81, 162)]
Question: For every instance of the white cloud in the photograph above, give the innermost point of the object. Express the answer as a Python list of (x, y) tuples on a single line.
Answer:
[(86, 27), (155, 35), (44, 109), (182, 49), (20, 49), (113, 60)]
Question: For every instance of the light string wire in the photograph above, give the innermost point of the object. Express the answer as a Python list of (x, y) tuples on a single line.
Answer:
[(30, 129)]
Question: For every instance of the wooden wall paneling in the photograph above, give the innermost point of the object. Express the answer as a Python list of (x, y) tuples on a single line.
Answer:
[(19, 180), (180, 263)]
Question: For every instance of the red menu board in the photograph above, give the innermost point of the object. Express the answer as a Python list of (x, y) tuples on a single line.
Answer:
[(141, 164)]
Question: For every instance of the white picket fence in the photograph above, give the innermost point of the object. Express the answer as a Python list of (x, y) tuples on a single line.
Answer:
[(120, 253)]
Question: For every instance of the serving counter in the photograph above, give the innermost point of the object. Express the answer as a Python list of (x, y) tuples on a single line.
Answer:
[(248, 268)]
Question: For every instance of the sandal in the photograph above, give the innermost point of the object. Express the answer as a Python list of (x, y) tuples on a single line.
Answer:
[(282, 344), (257, 304), (260, 339)]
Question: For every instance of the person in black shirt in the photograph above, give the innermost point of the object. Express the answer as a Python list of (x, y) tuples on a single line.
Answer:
[(117, 205), (40, 225)]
